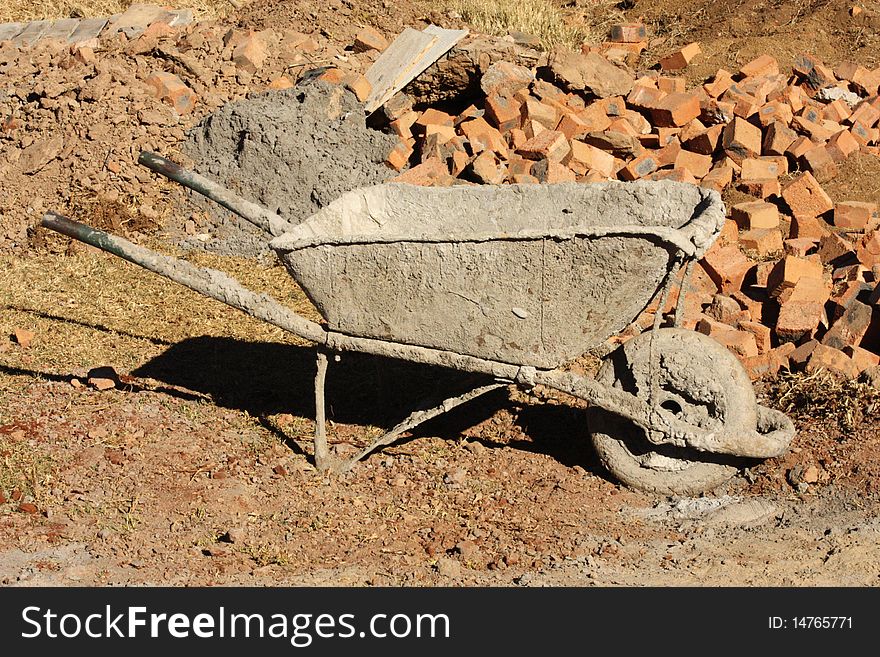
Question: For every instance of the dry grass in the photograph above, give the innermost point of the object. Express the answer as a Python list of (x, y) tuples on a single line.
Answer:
[(536, 17), (30, 10), (823, 395)]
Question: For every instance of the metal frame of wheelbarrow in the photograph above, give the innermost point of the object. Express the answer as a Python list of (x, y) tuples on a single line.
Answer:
[(660, 426)]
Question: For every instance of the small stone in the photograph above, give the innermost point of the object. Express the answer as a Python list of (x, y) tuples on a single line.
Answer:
[(23, 337), (233, 535), (280, 470), (447, 567), (27, 507)]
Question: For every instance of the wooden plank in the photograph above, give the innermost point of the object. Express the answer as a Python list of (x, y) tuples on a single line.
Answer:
[(10, 30), (407, 57), (31, 33), (88, 29), (61, 29), (394, 63)]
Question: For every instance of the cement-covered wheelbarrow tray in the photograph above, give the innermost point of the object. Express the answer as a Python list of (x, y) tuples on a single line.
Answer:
[(511, 281)]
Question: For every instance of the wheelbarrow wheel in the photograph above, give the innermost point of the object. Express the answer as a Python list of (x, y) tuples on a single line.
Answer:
[(701, 382)]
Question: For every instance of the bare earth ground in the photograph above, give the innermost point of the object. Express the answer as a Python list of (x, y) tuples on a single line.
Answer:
[(196, 470)]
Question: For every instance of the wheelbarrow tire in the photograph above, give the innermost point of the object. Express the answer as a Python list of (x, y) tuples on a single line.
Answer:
[(700, 381)]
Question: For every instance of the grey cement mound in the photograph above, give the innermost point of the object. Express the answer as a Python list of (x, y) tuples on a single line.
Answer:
[(292, 151)]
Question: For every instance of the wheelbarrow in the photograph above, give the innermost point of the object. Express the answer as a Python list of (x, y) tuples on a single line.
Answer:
[(513, 282)]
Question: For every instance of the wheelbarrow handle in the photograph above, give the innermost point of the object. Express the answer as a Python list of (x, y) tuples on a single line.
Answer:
[(261, 217)]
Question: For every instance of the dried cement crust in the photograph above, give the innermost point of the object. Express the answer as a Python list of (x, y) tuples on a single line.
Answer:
[(696, 375), (525, 274)]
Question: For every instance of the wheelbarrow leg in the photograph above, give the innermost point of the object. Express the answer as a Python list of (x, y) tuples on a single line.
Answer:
[(415, 419), (322, 452)]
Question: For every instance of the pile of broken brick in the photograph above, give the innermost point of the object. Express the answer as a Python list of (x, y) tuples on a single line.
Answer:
[(793, 280)]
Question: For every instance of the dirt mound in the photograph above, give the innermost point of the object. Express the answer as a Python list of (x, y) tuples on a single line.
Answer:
[(293, 151)]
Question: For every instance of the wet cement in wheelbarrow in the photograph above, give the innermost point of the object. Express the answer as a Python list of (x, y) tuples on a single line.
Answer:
[(293, 151)]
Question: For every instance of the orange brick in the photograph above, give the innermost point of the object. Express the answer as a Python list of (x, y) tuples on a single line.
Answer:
[(729, 233), (837, 111), (718, 178), (727, 266), (775, 112), (538, 112), (707, 141), (485, 168), (797, 319), (744, 103), (594, 116), (833, 249), (741, 343), (550, 144), (503, 112), (813, 228), (698, 165), (434, 116), (671, 85), (788, 271), (760, 168), (628, 33), (547, 171), (644, 97), (722, 81), (819, 162), (681, 58), (764, 241), (759, 188), (483, 136), (280, 83), (800, 355), (868, 249), (460, 161), (806, 198), (816, 131), (675, 175), (862, 358), (675, 110), (865, 115), (369, 39), (724, 309), (592, 158), (762, 366), (842, 145), (666, 156), (402, 127), (777, 138), (639, 167), (171, 89), (850, 328), (807, 290), (741, 140), (523, 179), (399, 156), (762, 334), (854, 215), (358, 85), (799, 146), (430, 173), (250, 53), (755, 214), (832, 360), (800, 247), (761, 65)]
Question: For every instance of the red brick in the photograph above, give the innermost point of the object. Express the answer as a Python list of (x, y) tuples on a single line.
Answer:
[(806, 198), (850, 328), (592, 158), (862, 358), (505, 79), (762, 188), (675, 110), (718, 178), (547, 171), (806, 290), (800, 146), (707, 141), (280, 83), (761, 65), (842, 145), (865, 115), (808, 227), (853, 215), (800, 355), (399, 156), (764, 241), (369, 39), (761, 168), (755, 214), (485, 168), (639, 167), (250, 53), (675, 175), (837, 111), (788, 271), (698, 165), (671, 85), (740, 140), (503, 112), (797, 319), (534, 110), (171, 89), (741, 343), (483, 136), (402, 126), (762, 334), (727, 266), (724, 309), (835, 249), (430, 173), (721, 82), (550, 144), (868, 249), (777, 138), (358, 85), (799, 247), (433, 116), (775, 112), (681, 58), (744, 104), (832, 360), (819, 162), (628, 33), (729, 233)]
